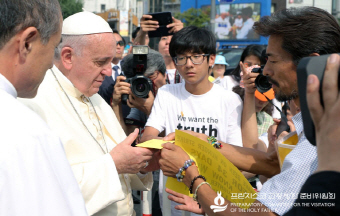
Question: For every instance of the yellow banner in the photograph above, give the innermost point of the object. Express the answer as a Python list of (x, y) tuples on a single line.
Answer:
[(221, 174)]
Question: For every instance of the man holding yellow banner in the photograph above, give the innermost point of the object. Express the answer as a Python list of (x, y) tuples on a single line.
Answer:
[(289, 41)]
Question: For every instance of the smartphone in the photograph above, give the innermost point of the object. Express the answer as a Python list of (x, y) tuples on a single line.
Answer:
[(164, 19), (310, 65)]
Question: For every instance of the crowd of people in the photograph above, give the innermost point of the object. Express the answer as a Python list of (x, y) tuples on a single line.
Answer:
[(68, 136)]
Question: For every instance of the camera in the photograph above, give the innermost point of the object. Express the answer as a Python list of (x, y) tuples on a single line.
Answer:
[(261, 82), (140, 85), (310, 65)]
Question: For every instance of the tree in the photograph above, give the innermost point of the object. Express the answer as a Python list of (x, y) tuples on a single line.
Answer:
[(69, 7), (194, 17)]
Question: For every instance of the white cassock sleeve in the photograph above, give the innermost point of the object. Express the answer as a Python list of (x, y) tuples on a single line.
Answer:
[(35, 176)]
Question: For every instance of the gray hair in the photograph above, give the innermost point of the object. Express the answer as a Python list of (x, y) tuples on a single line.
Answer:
[(16, 15), (155, 62), (76, 42)]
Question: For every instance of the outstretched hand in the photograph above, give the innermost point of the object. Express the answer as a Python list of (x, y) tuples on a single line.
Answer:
[(186, 203)]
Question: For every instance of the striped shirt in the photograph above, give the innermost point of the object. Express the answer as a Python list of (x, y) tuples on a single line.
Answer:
[(280, 192)]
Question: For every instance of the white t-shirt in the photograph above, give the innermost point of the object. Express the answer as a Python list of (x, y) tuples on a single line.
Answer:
[(171, 75), (215, 113)]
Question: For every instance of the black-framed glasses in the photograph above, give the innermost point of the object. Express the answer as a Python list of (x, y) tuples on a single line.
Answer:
[(120, 43), (195, 59)]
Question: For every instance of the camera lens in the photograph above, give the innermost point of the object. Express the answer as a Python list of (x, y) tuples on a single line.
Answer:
[(262, 84), (140, 87)]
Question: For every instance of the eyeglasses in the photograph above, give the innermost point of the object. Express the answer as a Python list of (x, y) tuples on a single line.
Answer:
[(195, 59), (120, 43), (153, 76)]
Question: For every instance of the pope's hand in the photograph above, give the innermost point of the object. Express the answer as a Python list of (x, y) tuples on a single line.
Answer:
[(130, 159)]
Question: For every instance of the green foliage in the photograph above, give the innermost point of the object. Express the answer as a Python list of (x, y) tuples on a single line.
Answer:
[(194, 17), (69, 7)]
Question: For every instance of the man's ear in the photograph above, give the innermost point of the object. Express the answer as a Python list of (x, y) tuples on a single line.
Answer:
[(212, 60), (314, 54), (66, 57), (26, 40)]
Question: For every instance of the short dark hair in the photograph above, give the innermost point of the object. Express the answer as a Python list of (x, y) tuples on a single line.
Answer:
[(239, 90), (134, 33), (253, 49), (17, 15), (304, 30), (192, 39)]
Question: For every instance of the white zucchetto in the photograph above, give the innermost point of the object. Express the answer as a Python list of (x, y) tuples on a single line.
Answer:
[(84, 23)]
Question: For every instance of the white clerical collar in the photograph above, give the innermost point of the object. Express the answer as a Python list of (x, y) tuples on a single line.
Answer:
[(7, 86), (66, 83)]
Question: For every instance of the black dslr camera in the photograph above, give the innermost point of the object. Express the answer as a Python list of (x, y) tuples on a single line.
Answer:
[(140, 85), (261, 82)]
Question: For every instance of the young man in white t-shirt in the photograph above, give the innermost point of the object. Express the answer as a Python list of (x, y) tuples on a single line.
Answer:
[(196, 104)]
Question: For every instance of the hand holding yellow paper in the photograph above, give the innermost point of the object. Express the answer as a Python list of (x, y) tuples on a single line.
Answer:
[(219, 172), (154, 143)]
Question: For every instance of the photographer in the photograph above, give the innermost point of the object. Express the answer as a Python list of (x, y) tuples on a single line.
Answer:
[(141, 107)]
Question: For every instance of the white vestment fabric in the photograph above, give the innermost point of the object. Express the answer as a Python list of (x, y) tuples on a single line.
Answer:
[(35, 176), (104, 190)]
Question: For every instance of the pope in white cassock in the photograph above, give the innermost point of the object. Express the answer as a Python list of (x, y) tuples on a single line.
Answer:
[(102, 159), (35, 176)]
